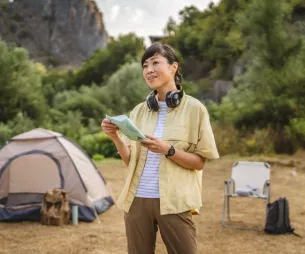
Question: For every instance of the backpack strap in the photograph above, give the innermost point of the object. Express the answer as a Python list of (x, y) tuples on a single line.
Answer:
[(296, 234), (286, 209), (280, 214)]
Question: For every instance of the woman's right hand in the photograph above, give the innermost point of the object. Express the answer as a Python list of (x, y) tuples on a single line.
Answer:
[(110, 129)]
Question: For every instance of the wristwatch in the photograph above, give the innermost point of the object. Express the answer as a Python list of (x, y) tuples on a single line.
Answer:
[(170, 152)]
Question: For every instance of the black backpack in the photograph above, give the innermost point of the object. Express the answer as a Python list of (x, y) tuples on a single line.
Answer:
[(277, 221)]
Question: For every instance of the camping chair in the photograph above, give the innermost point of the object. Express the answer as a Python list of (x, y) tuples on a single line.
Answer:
[(249, 179)]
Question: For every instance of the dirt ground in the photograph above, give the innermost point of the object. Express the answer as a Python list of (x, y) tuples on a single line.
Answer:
[(108, 236)]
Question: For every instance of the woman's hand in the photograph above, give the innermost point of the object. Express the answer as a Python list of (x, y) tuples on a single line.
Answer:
[(155, 145), (110, 129), (182, 158)]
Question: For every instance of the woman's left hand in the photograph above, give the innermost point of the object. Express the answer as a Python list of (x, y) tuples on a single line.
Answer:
[(155, 145)]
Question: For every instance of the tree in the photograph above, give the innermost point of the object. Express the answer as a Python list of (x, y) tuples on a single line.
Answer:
[(126, 88), (211, 5), (20, 85), (54, 82), (170, 27), (189, 15), (271, 92), (106, 61), (88, 106), (211, 37)]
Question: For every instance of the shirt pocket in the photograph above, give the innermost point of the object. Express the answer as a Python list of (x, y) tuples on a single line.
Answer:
[(181, 137)]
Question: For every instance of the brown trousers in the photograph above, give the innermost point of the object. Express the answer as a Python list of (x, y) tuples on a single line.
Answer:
[(143, 220)]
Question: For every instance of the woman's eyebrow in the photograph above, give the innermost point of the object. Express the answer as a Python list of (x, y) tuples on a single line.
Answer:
[(151, 58)]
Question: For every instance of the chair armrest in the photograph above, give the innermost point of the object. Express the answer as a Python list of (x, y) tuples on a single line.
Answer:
[(266, 189), (229, 187)]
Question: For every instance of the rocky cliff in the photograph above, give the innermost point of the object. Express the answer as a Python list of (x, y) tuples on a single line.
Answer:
[(56, 32)]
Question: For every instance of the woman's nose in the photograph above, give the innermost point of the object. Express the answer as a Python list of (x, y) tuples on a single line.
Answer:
[(150, 69)]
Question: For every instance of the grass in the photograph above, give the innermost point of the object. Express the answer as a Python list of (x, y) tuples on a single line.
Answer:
[(109, 236)]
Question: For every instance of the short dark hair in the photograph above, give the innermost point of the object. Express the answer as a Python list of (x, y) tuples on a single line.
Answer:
[(166, 51)]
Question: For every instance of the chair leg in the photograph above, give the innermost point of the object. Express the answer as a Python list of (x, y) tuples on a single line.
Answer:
[(268, 198), (228, 208), (224, 211), (267, 209)]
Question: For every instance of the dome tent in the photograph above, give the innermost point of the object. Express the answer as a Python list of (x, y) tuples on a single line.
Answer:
[(39, 160)]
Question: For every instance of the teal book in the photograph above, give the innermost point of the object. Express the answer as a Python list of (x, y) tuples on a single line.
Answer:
[(127, 127)]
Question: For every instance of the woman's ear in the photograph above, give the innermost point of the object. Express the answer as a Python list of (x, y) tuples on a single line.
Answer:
[(174, 67)]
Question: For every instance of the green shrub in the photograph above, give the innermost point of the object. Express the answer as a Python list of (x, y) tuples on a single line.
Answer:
[(70, 124), (227, 139), (298, 129), (106, 146), (20, 87), (5, 134), (126, 88), (296, 132), (243, 142), (98, 157), (88, 143), (190, 88), (257, 142), (21, 123), (88, 106), (55, 82), (98, 143)]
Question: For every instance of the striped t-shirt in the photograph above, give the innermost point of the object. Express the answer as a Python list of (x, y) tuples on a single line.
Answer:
[(149, 182)]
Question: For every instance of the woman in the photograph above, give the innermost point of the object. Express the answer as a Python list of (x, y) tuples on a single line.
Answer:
[(163, 188)]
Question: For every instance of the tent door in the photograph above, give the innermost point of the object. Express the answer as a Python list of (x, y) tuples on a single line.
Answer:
[(30, 176)]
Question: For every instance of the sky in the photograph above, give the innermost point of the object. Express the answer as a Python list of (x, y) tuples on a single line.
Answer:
[(143, 17)]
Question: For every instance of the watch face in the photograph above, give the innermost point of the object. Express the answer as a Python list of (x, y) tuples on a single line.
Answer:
[(171, 151)]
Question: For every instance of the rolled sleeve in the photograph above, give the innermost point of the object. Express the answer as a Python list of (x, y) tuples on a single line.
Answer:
[(126, 140), (206, 146)]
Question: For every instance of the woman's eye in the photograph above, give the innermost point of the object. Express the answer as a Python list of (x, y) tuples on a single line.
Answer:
[(144, 66), (155, 63)]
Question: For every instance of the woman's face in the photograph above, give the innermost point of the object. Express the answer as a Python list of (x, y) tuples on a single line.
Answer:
[(158, 72)]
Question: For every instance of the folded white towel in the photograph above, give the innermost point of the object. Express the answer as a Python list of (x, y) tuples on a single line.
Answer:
[(248, 190)]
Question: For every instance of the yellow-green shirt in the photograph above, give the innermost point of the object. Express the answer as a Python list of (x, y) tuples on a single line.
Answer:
[(187, 127)]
